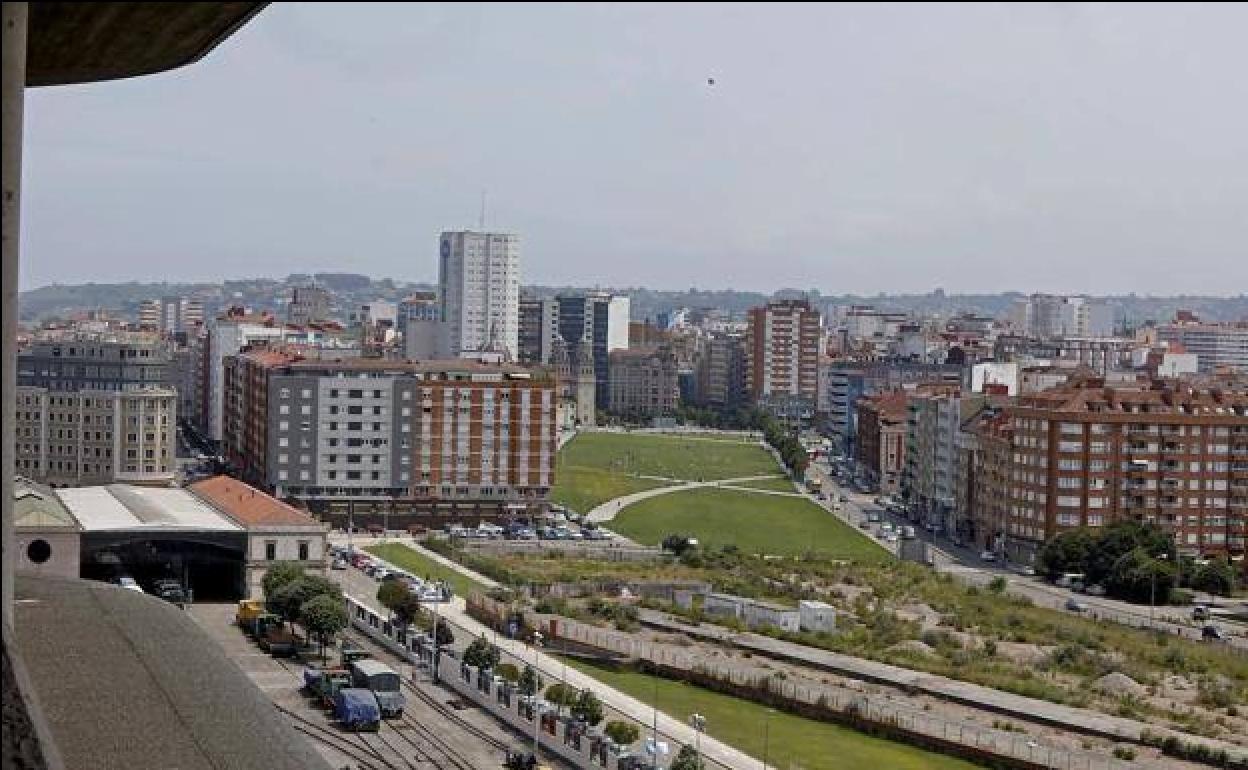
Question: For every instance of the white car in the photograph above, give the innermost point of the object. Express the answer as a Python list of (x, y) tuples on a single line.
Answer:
[(125, 581), (987, 556)]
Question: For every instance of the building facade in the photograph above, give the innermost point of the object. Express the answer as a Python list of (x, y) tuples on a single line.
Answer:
[(845, 383), (1215, 345), (100, 361), (227, 335), (432, 439), (934, 422), (77, 438), (539, 328), (1048, 315), (594, 324), (1086, 455), (782, 353), (418, 322), (720, 371), (880, 448), (644, 383), (479, 292), (308, 304)]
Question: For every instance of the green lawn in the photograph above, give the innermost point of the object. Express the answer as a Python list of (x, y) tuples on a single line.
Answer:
[(778, 484), (422, 566), (667, 456), (754, 523), (581, 488), (792, 741)]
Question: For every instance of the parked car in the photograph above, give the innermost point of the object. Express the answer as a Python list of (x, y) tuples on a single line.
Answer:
[(1212, 633), (338, 564), (1095, 590), (987, 556), (125, 581), (908, 532), (1074, 605), (1200, 612)]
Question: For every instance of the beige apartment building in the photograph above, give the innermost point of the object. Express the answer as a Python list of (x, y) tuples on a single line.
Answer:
[(88, 437)]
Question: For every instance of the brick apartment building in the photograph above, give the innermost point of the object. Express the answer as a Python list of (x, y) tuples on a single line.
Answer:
[(1084, 454), (433, 442), (782, 357)]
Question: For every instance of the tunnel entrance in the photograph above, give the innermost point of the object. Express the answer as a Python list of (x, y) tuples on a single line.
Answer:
[(210, 564)]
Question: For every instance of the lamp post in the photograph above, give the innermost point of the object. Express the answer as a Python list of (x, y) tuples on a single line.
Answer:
[(537, 646), (1152, 599), (698, 722)]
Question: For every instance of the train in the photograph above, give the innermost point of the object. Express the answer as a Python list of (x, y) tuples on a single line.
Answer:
[(410, 644)]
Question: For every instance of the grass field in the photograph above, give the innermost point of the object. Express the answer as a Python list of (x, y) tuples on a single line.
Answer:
[(792, 741), (691, 459), (754, 523), (422, 566), (581, 488), (778, 484)]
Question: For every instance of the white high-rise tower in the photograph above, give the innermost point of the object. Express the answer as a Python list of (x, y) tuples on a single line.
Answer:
[(479, 291)]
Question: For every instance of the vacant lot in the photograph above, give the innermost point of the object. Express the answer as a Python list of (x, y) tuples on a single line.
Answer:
[(753, 523), (422, 566), (791, 741)]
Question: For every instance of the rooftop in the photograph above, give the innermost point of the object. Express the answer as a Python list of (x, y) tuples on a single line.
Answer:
[(37, 507), (124, 679), (249, 506), (125, 507)]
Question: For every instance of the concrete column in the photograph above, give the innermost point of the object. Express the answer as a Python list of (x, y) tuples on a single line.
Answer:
[(13, 93)]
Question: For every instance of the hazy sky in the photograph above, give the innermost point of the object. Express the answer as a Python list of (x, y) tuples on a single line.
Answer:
[(846, 148)]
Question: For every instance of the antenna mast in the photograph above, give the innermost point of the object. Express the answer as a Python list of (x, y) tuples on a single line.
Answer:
[(481, 221)]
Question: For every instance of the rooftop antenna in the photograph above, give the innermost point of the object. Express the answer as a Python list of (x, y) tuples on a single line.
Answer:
[(481, 221)]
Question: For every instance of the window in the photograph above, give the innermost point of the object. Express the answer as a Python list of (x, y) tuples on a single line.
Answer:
[(270, 550), (284, 409), (303, 550), (306, 393)]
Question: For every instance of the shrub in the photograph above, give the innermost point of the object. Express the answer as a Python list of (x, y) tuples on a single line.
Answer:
[(997, 585), (1122, 752), (622, 733)]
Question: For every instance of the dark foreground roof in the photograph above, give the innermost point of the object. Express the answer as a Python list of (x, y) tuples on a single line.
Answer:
[(127, 681)]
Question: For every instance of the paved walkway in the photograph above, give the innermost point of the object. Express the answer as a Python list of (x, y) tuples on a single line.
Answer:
[(606, 511), (1065, 717)]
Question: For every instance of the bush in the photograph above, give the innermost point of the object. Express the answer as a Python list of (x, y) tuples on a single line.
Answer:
[(561, 695), (1122, 752), (997, 585), (508, 672), (622, 733), (588, 708)]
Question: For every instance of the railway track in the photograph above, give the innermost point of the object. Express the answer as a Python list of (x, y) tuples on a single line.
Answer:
[(364, 756)]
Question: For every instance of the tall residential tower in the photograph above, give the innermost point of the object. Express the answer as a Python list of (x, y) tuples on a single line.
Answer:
[(479, 291)]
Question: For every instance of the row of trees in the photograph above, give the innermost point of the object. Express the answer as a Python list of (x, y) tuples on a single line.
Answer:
[(405, 609), (1132, 560), (312, 601), (785, 441)]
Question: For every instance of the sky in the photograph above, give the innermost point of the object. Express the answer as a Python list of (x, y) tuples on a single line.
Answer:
[(844, 148)]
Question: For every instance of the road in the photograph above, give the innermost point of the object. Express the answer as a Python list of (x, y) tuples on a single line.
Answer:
[(966, 564), (364, 588)]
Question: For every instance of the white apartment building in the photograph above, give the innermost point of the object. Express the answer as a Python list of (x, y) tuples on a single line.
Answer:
[(1215, 345), (1048, 315), (479, 290), (226, 338)]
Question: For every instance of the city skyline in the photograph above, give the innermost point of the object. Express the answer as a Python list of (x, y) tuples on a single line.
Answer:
[(864, 149)]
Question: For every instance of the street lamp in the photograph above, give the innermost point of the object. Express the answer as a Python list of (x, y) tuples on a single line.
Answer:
[(698, 722), (1152, 598), (537, 646)]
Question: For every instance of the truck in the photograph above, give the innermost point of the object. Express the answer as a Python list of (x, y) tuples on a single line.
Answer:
[(357, 709), (325, 682), (279, 641), (248, 610), (382, 681)]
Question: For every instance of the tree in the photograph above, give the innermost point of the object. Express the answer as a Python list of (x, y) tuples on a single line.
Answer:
[(1067, 552), (481, 654), (1138, 576), (392, 594), (687, 759), (1120, 539), (442, 635), (588, 708), (622, 733), (323, 616), (530, 682), (1217, 576), (279, 575), (676, 543), (561, 695), (289, 599)]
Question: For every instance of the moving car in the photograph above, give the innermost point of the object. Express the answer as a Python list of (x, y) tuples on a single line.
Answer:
[(1074, 605), (1212, 633), (1200, 612), (987, 556)]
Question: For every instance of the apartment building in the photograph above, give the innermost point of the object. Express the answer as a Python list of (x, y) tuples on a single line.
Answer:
[(71, 360), (844, 383), (308, 304), (594, 324), (782, 356), (419, 325), (644, 383), (170, 315), (426, 439), (1085, 455), (1215, 345), (85, 437), (479, 292), (539, 328), (1048, 315), (720, 371), (880, 448), (934, 419)]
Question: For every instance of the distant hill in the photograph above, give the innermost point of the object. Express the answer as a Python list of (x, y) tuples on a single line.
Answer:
[(124, 298)]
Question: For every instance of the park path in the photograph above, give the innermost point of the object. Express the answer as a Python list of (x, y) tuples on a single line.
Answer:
[(606, 511)]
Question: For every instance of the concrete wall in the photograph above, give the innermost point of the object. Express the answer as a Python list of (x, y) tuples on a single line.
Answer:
[(63, 561)]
